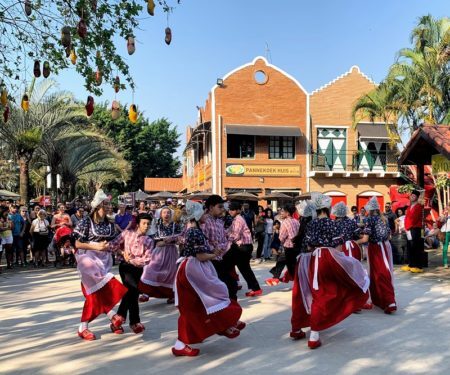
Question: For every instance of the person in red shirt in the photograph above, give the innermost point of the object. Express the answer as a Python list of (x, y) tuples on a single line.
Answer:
[(413, 227)]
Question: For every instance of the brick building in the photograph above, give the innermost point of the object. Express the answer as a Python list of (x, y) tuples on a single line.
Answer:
[(261, 132)]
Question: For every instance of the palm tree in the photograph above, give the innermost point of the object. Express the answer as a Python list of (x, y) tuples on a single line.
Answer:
[(25, 131)]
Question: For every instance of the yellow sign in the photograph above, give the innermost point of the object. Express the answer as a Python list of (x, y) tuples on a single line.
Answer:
[(440, 164), (263, 170)]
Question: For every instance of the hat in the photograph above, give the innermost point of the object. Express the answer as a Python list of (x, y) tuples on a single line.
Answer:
[(339, 209), (99, 197), (372, 204), (416, 192), (320, 200), (233, 206), (194, 210), (307, 209)]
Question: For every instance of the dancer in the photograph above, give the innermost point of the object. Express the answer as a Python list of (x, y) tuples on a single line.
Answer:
[(202, 299), (241, 248), (136, 249), (349, 231), (288, 231), (379, 259), (158, 275), (328, 285), (100, 288)]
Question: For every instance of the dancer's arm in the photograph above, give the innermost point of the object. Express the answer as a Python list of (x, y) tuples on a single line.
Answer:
[(97, 246)]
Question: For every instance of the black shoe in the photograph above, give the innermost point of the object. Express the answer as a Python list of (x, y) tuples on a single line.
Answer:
[(9, 267)]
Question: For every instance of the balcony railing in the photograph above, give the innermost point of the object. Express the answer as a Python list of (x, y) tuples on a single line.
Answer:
[(355, 161)]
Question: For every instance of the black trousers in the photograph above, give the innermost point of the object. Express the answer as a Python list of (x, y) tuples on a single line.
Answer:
[(279, 266), (241, 256), (130, 276), (260, 237), (415, 248), (291, 259), (224, 268)]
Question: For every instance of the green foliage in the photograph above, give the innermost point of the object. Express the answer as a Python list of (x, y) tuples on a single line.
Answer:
[(38, 37), (148, 146), (417, 87)]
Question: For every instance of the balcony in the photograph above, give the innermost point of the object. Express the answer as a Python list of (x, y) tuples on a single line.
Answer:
[(362, 163)]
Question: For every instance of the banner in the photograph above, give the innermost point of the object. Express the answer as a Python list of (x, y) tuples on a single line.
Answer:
[(263, 170)]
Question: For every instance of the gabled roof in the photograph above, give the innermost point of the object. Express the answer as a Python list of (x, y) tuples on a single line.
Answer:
[(157, 184), (354, 68), (426, 141)]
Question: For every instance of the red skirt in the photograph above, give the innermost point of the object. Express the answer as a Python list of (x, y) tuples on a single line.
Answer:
[(194, 324), (381, 283), (155, 291), (356, 250), (337, 298), (103, 300)]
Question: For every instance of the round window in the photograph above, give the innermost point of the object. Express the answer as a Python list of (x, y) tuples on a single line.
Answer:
[(260, 77)]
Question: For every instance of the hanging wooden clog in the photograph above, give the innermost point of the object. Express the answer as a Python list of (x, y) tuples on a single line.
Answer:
[(151, 7), (131, 47), (89, 106), (116, 84), (66, 38), (94, 5), (73, 57), (37, 68), (46, 69), (28, 9), (82, 28), (98, 77), (115, 110), (4, 97), (132, 114), (168, 37), (25, 103), (6, 114)]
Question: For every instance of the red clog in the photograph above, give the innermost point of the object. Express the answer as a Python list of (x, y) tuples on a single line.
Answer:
[(390, 309), (143, 298), (87, 335), (186, 351), (254, 293), (314, 344), (137, 328), (231, 333), (368, 306), (240, 325), (272, 281), (297, 335), (116, 324)]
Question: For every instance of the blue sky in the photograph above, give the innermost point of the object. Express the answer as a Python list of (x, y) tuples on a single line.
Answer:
[(314, 41)]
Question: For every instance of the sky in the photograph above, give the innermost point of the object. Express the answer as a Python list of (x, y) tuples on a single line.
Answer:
[(314, 41)]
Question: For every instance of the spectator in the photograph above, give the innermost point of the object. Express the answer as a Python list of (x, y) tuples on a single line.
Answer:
[(431, 237), (26, 238), (413, 226), (445, 229), (39, 230), (6, 227), (249, 217), (77, 216), (123, 219), (390, 216), (268, 234), (61, 218), (17, 232), (260, 228)]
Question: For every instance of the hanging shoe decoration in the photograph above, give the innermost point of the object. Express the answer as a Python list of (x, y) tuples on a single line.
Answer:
[(89, 106), (132, 114), (4, 97), (46, 69), (37, 68), (98, 77), (82, 28), (25, 104), (66, 38), (115, 110), (6, 114), (151, 7), (116, 84), (131, 47), (28, 9), (94, 5), (168, 37), (73, 57)]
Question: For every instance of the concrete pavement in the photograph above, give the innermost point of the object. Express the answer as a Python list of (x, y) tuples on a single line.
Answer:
[(40, 310)]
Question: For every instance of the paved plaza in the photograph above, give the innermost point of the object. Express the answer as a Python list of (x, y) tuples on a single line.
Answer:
[(40, 311)]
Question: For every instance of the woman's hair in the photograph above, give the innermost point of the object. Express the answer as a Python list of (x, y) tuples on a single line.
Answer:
[(276, 222), (289, 208), (267, 210), (298, 239), (398, 210), (324, 210), (260, 208), (160, 212)]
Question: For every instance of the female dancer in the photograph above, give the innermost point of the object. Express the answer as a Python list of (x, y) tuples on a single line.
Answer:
[(328, 285), (159, 275), (101, 290), (136, 249), (202, 299), (379, 259)]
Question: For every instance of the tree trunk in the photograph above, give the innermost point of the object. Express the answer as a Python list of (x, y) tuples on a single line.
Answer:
[(24, 179), (54, 189)]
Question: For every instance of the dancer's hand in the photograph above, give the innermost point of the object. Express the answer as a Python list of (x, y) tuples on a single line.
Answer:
[(102, 246)]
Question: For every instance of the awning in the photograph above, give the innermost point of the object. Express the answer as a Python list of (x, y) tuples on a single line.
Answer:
[(373, 133), (265, 130)]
